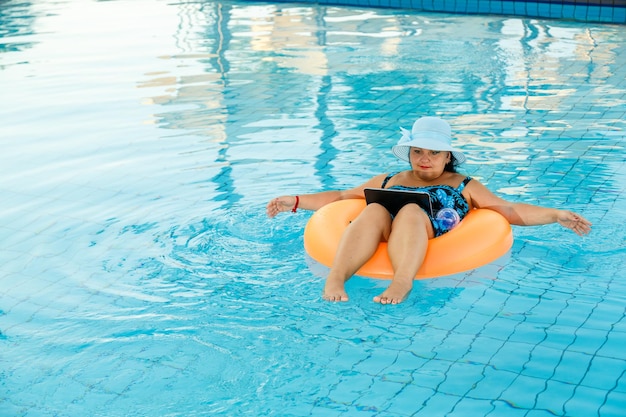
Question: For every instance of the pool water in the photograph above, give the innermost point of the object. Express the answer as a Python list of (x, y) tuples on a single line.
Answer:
[(140, 276)]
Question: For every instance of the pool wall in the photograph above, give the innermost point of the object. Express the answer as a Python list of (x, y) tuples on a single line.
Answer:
[(603, 11)]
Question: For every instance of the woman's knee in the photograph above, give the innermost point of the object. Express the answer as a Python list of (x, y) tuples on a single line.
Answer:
[(412, 212), (375, 211), (412, 215), (374, 214)]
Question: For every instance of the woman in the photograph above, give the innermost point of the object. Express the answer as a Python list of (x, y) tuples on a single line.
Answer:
[(433, 160)]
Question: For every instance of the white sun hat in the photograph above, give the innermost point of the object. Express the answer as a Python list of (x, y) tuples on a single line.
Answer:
[(430, 133)]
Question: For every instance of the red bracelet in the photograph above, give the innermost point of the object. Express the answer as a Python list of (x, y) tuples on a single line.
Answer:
[(293, 210)]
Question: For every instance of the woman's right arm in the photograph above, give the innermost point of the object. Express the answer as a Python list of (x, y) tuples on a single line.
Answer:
[(316, 200)]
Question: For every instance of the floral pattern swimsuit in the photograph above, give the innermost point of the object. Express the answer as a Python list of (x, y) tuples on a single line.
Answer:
[(449, 205)]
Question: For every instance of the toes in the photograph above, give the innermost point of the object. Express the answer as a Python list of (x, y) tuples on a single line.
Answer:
[(334, 298), (382, 299)]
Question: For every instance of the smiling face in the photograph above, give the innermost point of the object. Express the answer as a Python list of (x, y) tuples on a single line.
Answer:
[(428, 164)]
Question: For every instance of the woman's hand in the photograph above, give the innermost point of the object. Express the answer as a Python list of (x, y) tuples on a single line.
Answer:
[(574, 221), (314, 201), (279, 204)]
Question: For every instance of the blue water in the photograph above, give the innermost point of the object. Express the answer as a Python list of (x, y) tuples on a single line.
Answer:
[(139, 275)]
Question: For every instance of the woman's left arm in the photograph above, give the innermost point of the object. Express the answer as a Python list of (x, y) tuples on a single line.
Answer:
[(522, 214)]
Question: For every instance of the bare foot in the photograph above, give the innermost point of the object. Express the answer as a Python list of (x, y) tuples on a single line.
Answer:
[(334, 290), (395, 293)]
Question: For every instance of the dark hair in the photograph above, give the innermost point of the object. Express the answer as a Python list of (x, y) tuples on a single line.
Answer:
[(451, 166)]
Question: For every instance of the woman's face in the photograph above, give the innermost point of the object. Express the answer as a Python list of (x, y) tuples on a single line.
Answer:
[(429, 164)]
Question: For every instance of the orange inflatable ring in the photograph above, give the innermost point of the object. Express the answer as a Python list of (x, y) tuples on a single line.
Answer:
[(482, 237)]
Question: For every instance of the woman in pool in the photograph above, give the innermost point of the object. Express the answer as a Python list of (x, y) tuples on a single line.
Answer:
[(433, 169)]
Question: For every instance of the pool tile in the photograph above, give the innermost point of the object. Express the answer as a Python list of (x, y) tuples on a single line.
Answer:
[(523, 390), (506, 408), (614, 404), (572, 367), (511, 357), (603, 373), (604, 316), (554, 395), (352, 389), (499, 329), (588, 341), (559, 336), (439, 405), (409, 400), (492, 384), (614, 345), (431, 374), (380, 394), (580, 10), (482, 349), (472, 323), (542, 362), (379, 360), (470, 407), (587, 401), (460, 378), (454, 346), (532, 333)]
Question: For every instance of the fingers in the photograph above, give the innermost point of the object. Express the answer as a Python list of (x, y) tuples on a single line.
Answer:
[(582, 228), (273, 207), (276, 205), (578, 224), (270, 209)]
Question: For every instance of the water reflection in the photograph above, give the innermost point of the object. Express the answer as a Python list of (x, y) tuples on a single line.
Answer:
[(353, 77), (16, 24)]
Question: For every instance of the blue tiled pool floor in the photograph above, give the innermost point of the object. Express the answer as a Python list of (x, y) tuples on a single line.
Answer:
[(605, 11), (139, 274)]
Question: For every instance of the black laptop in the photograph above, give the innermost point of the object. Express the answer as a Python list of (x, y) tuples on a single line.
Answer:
[(394, 200)]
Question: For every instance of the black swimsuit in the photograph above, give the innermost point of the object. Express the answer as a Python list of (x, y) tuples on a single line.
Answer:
[(449, 205)]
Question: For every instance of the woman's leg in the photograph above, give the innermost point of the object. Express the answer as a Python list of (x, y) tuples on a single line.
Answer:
[(407, 246), (357, 245)]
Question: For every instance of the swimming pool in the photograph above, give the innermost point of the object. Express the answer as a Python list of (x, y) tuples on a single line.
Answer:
[(139, 274)]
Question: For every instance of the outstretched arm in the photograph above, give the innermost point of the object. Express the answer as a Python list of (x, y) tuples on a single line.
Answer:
[(304, 202), (526, 214), (316, 200), (529, 215)]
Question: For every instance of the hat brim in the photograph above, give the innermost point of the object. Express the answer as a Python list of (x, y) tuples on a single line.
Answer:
[(402, 151)]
